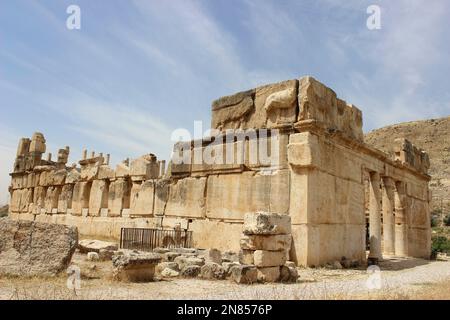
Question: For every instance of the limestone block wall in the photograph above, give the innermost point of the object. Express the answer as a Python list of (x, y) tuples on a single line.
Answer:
[(319, 172)]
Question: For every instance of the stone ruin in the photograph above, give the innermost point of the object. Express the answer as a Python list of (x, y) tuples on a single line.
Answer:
[(332, 185)]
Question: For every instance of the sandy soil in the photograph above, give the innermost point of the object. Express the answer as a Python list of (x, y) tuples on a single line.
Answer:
[(400, 279)]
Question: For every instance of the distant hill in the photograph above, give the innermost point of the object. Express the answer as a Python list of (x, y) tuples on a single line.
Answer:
[(431, 135)]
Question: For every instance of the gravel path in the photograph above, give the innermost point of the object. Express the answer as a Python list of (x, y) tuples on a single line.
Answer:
[(398, 279)]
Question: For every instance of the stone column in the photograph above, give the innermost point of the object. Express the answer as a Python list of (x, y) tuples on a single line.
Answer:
[(374, 218), (401, 226), (388, 215)]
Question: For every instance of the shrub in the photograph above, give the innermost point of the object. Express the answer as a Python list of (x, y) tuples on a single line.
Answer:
[(440, 244), (447, 220)]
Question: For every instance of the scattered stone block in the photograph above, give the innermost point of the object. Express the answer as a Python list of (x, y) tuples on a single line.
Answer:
[(90, 245), (135, 266), (266, 224), (244, 274), (190, 271), (93, 256), (263, 258), (230, 256), (35, 249), (288, 274), (169, 273), (269, 274), (170, 256), (213, 271), (167, 265), (105, 254), (228, 265)]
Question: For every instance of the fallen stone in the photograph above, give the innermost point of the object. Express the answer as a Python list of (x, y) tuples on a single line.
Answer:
[(213, 271), (263, 258), (184, 261), (135, 266), (266, 224), (167, 265), (266, 242), (244, 274), (184, 250), (86, 246), (161, 250), (105, 254), (290, 264), (269, 274), (93, 256), (170, 256), (35, 249), (169, 273), (191, 271), (288, 274), (337, 265), (228, 265)]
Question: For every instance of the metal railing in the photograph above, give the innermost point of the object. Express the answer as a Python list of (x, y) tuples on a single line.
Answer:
[(148, 239)]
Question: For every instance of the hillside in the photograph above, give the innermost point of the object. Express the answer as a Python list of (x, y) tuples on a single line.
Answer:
[(431, 135)]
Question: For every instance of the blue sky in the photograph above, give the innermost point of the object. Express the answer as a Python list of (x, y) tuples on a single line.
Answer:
[(139, 69)]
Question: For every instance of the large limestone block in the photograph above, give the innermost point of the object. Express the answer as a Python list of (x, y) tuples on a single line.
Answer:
[(135, 267), (25, 249), (145, 167), (204, 234), (14, 205), (320, 103), (58, 177), (105, 173), (262, 223), (38, 143), (51, 199), (65, 198), (122, 170), (142, 198), (162, 188), (80, 199), (264, 258), (89, 172), (119, 196), (231, 112), (187, 198), (228, 195), (39, 199), (91, 245), (73, 176), (244, 274), (98, 198), (268, 274), (266, 242)]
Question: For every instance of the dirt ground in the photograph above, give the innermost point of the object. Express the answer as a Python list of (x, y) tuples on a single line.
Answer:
[(398, 279)]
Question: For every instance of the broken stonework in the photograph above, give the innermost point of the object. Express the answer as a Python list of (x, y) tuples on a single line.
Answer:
[(86, 246), (244, 274), (190, 271), (35, 249), (213, 271), (135, 266)]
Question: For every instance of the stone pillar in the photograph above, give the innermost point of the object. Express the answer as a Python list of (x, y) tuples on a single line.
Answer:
[(374, 218), (84, 154), (401, 226), (388, 205)]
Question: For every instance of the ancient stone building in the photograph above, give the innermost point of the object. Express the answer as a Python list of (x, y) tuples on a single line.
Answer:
[(290, 148)]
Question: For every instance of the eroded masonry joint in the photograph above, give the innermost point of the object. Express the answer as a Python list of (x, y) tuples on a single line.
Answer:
[(342, 195)]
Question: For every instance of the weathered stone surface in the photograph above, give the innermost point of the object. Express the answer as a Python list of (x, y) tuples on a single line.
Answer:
[(35, 249), (169, 273), (167, 265), (87, 245), (288, 274), (246, 257), (213, 271), (93, 256), (228, 265), (142, 199), (263, 258), (184, 261), (190, 271), (135, 266), (266, 242), (230, 256), (98, 198), (244, 274), (230, 111), (268, 274), (212, 255), (266, 224)]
